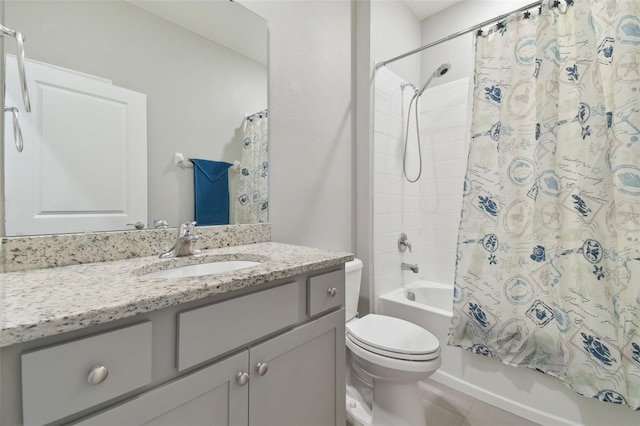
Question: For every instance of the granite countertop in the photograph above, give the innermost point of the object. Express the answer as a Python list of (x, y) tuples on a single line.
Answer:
[(45, 302)]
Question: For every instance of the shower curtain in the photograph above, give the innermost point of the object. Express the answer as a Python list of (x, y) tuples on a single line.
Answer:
[(252, 205), (548, 263)]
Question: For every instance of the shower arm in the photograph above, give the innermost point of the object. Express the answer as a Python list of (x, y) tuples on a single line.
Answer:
[(419, 92)]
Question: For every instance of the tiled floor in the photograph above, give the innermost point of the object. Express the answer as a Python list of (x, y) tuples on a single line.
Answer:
[(447, 407)]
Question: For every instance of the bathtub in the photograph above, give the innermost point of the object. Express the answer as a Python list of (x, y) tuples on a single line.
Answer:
[(425, 303), (433, 297), (522, 391)]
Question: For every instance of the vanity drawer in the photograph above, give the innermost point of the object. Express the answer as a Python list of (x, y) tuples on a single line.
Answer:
[(207, 332), (325, 292), (55, 380)]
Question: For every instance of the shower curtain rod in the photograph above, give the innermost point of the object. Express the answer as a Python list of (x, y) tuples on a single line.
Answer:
[(459, 33)]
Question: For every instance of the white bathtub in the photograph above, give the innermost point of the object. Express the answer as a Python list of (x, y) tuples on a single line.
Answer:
[(431, 307), (434, 297), (522, 391)]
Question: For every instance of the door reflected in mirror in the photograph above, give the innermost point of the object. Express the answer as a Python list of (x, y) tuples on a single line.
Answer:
[(201, 68)]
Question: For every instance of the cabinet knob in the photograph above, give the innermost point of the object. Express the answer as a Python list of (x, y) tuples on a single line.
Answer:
[(332, 292), (97, 375), (242, 378), (262, 368)]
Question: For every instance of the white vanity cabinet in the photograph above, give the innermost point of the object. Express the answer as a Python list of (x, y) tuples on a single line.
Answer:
[(272, 354)]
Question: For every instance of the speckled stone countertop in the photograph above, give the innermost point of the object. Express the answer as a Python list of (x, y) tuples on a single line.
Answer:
[(44, 302), (47, 251)]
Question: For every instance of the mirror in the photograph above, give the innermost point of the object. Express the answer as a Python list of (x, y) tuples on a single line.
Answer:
[(202, 65)]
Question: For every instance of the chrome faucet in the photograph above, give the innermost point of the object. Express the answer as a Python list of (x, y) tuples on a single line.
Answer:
[(160, 224), (184, 245), (409, 267)]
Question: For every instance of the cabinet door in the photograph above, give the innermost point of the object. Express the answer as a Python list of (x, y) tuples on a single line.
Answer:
[(304, 384), (210, 396)]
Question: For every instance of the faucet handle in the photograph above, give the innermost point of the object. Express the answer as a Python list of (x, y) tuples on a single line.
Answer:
[(403, 243), (160, 224), (187, 228)]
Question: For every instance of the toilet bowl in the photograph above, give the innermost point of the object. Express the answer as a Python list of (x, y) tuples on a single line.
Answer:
[(387, 357)]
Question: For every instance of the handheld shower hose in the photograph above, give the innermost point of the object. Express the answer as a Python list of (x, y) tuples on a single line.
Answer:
[(439, 72)]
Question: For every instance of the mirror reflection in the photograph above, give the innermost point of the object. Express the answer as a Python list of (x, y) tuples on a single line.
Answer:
[(188, 79)]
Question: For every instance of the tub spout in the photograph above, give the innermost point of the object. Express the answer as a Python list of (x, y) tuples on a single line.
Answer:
[(409, 267)]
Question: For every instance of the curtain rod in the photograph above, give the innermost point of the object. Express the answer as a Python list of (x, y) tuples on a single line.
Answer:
[(264, 112), (459, 33)]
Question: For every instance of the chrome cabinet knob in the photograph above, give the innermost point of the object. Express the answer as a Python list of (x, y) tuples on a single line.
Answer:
[(332, 292), (242, 378), (97, 375), (262, 368)]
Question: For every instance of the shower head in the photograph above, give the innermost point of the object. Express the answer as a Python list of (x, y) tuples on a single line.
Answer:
[(442, 70), (439, 72)]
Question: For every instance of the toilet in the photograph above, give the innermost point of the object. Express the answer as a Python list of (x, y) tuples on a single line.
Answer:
[(386, 359)]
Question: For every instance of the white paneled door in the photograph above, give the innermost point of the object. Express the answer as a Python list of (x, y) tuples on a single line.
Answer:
[(84, 163)]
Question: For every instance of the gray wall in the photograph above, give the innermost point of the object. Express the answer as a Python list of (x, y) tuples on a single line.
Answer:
[(395, 30), (312, 185)]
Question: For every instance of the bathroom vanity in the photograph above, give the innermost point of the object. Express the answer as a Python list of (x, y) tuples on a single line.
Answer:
[(101, 344)]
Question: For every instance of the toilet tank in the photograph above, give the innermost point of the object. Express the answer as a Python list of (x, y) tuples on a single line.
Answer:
[(353, 274)]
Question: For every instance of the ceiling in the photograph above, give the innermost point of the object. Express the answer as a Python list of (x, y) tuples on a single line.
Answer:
[(234, 26), (227, 23), (424, 8)]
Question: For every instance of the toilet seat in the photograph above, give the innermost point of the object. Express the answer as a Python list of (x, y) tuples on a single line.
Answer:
[(393, 337)]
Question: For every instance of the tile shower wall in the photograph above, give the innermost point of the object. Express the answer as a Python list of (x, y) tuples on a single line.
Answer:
[(444, 129), (428, 211)]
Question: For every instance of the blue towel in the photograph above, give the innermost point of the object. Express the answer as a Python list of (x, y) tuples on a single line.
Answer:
[(211, 190)]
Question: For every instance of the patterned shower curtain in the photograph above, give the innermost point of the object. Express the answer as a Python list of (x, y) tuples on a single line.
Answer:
[(548, 266), (252, 204)]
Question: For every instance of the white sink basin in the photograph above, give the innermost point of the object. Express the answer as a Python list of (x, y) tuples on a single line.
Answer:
[(201, 269)]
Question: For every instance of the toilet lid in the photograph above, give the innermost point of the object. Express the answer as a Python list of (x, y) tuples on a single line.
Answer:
[(389, 336)]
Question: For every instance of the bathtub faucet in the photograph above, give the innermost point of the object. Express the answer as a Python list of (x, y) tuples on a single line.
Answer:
[(408, 267)]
